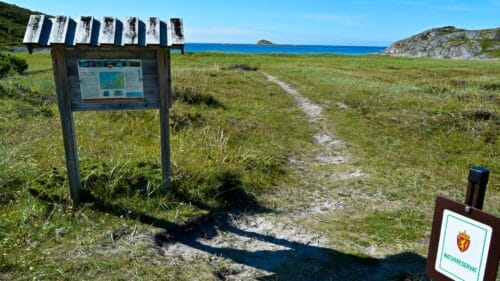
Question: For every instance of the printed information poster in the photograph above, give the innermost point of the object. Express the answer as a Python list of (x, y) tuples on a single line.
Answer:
[(463, 247), (110, 80)]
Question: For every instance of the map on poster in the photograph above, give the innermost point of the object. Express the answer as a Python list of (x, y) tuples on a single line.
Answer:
[(110, 80)]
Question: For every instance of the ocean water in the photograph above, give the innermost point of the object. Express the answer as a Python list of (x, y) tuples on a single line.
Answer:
[(261, 49), (281, 49)]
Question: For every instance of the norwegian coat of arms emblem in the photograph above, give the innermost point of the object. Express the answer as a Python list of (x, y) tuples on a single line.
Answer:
[(463, 241)]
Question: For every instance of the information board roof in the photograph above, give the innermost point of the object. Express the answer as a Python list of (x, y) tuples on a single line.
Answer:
[(44, 32)]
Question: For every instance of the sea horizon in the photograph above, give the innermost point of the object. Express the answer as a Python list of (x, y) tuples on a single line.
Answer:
[(242, 48), (282, 48), (289, 44)]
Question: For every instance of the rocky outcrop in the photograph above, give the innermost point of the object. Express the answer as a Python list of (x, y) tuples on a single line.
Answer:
[(265, 42), (449, 42)]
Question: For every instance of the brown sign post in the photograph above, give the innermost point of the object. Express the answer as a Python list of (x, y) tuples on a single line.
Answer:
[(464, 243), (108, 64)]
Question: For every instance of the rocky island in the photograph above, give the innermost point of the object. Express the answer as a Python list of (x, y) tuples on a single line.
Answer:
[(265, 42), (449, 42)]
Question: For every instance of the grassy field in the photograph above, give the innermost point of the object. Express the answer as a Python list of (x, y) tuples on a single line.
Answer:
[(414, 126)]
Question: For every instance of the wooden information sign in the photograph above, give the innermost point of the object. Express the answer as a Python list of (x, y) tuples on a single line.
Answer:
[(465, 243), (108, 64)]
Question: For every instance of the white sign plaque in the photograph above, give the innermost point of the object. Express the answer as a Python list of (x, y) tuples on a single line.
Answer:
[(463, 247), (110, 80)]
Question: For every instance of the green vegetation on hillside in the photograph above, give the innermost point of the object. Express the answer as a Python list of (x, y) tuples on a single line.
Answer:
[(13, 21), (414, 126)]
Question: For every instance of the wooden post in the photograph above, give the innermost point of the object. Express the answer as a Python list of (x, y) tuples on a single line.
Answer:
[(68, 128), (476, 189), (169, 80), (165, 92)]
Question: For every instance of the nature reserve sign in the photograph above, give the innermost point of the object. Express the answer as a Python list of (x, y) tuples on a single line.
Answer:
[(463, 247), (464, 243)]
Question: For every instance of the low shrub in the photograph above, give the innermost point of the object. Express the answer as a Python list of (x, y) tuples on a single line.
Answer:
[(244, 67), (10, 64), (181, 120), (192, 96)]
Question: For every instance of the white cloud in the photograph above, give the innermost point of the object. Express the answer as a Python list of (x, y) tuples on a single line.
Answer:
[(333, 18)]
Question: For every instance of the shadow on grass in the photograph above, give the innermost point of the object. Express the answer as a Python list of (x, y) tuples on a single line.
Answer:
[(291, 261)]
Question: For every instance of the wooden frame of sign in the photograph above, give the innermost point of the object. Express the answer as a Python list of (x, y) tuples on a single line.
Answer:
[(109, 64), (157, 94), (491, 263)]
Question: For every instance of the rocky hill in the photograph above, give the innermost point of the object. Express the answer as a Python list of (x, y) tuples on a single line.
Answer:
[(13, 21), (449, 42)]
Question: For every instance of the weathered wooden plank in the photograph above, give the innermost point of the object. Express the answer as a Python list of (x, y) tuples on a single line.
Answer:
[(164, 87), (176, 32), (84, 30), (70, 35), (94, 42), (107, 32), (170, 92), (59, 30), (130, 31), (88, 31), (142, 33), (169, 34), (118, 33), (34, 29), (153, 31), (45, 36), (68, 128), (163, 34), (114, 106)]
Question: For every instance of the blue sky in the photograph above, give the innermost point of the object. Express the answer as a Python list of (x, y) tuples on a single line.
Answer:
[(355, 22)]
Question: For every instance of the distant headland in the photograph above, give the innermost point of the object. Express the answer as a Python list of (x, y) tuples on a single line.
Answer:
[(449, 42), (265, 42)]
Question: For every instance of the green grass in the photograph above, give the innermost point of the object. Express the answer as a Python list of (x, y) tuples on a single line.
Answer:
[(237, 152), (411, 125), (415, 127), (406, 116)]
